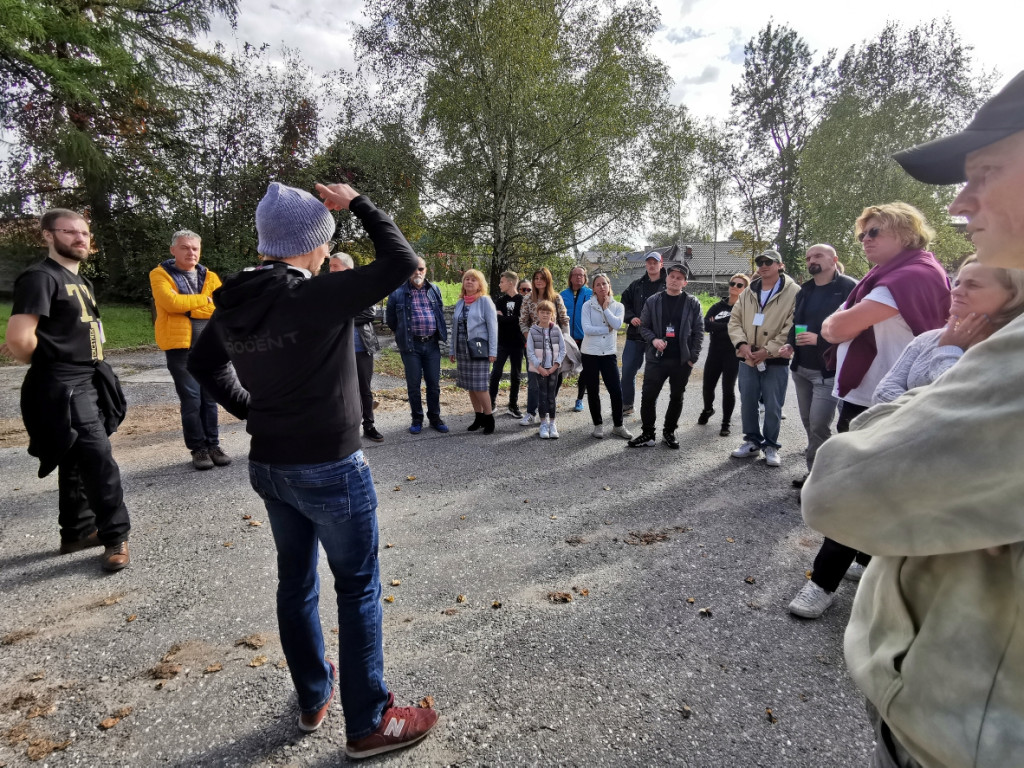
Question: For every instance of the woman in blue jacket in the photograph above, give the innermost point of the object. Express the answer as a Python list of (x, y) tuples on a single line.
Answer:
[(475, 345)]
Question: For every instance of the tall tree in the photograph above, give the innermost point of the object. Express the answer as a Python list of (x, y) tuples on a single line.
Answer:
[(776, 103), (531, 114), (92, 93), (714, 185), (902, 88), (671, 167)]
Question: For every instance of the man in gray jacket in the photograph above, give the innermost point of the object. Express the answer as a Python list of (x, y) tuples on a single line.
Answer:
[(928, 486), (672, 326)]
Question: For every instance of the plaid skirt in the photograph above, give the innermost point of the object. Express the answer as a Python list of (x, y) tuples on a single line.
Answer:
[(470, 373)]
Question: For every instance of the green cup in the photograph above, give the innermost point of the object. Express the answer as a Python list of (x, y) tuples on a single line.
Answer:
[(801, 329)]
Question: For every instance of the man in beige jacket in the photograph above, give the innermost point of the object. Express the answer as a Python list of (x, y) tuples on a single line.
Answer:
[(929, 486)]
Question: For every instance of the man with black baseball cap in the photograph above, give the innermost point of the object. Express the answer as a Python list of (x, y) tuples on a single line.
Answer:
[(928, 485)]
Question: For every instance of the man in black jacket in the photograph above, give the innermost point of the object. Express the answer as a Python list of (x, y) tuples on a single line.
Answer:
[(813, 378), (673, 330), (510, 342), (290, 340), (633, 299)]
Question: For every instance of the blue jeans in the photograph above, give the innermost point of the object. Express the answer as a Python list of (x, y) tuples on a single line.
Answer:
[(769, 386), (632, 361), (198, 408), (423, 363), (334, 505)]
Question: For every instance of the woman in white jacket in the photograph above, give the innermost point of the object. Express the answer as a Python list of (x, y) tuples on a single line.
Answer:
[(601, 319)]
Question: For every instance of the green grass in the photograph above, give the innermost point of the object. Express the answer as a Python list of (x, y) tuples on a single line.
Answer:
[(125, 326)]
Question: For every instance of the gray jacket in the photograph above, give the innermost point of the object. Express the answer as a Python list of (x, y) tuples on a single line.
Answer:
[(689, 331)]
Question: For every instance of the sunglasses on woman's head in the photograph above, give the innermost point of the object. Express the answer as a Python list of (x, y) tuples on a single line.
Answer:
[(737, 285), (526, 290), (873, 233)]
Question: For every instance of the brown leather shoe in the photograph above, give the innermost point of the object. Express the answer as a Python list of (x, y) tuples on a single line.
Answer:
[(115, 557), (218, 457), (92, 540)]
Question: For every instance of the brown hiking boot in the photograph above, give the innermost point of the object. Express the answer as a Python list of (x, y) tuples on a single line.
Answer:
[(201, 459), (218, 457), (92, 540), (399, 727), (115, 557)]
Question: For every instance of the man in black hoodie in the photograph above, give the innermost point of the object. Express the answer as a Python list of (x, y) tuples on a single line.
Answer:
[(290, 340), (633, 299)]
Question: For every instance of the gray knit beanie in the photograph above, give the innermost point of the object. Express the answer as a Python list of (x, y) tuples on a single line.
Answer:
[(291, 222)]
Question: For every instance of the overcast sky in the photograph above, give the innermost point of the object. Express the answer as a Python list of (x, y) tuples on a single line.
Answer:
[(701, 41)]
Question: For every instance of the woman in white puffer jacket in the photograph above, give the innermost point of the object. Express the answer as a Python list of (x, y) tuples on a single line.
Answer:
[(601, 319)]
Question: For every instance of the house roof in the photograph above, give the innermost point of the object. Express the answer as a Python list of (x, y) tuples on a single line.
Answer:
[(723, 257)]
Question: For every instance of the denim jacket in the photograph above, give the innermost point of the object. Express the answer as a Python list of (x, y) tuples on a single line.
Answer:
[(398, 314)]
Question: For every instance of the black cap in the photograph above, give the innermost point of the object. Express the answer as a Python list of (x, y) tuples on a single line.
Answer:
[(678, 267), (942, 161)]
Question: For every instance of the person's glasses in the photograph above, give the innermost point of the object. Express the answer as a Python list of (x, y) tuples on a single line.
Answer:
[(526, 290), (421, 269), (764, 262), (70, 232), (737, 285), (873, 233)]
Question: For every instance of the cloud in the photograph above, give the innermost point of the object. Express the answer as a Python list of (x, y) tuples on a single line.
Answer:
[(709, 75), (738, 42), (685, 35)]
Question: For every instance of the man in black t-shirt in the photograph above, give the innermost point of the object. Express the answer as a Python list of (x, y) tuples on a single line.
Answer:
[(510, 342), (70, 399), (673, 329)]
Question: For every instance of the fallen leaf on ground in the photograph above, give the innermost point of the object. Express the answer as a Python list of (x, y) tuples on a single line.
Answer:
[(36, 676), (771, 718), (396, 582), (460, 598), (427, 702), (247, 517), (109, 723), (559, 597), (808, 574), (647, 537), (112, 600), (583, 592), (40, 748), (131, 617), (705, 612), (731, 540), (750, 579), (496, 604), (397, 488), (255, 523), (462, 517), (574, 540), (389, 599), (554, 517), (254, 641), (388, 546), (17, 636), (691, 600), (213, 668), (258, 661), (607, 487), (685, 711), (334, 630), (43, 709), (282, 664), (410, 478), (17, 734), (229, 543), (450, 611)]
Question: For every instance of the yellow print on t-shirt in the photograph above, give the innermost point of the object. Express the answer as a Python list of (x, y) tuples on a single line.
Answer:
[(88, 303)]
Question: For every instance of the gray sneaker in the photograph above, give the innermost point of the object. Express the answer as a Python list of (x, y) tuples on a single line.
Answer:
[(201, 459), (622, 432), (854, 572), (811, 601), (598, 431)]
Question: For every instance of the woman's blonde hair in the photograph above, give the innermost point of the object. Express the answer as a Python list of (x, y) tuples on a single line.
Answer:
[(546, 306), (479, 280), (741, 276), (1013, 281), (549, 289), (903, 220), (600, 276)]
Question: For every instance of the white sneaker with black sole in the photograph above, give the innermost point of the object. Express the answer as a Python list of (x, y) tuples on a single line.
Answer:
[(748, 450), (771, 457), (811, 601), (514, 412), (527, 420)]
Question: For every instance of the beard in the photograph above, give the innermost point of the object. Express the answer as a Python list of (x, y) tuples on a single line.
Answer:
[(73, 252), (814, 269), (418, 280)]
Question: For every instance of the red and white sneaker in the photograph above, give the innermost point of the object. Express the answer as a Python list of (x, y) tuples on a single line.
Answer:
[(399, 727), (311, 721)]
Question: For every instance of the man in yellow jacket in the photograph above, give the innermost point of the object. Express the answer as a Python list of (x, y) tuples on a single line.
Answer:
[(182, 291)]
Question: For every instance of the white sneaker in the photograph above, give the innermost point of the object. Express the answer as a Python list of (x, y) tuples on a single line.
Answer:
[(552, 431), (748, 450), (622, 432), (771, 457), (544, 431), (854, 572), (811, 601), (527, 420), (598, 431)]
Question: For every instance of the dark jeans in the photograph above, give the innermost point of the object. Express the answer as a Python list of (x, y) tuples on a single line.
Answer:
[(547, 392), (89, 494), (514, 355), (423, 363), (632, 362), (677, 373), (724, 365), (364, 373), (834, 558), (198, 408), (596, 367), (332, 505)]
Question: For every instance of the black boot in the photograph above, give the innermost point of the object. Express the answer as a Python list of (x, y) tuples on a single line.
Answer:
[(488, 423), (477, 423), (705, 416)]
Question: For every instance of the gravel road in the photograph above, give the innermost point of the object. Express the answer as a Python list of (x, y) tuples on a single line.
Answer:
[(676, 648)]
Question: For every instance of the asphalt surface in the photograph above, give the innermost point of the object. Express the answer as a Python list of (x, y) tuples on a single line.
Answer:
[(674, 648)]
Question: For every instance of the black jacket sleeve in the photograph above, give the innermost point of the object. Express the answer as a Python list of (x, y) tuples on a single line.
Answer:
[(696, 340), (209, 364)]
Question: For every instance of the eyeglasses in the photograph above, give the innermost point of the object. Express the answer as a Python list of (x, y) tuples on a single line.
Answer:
[(71, 232), (764, 262), (526, 290), (873, 233), (737, 285), (421, 269)]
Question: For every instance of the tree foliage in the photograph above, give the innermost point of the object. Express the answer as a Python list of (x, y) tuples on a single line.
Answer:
[(531, 114), (671, 170)]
